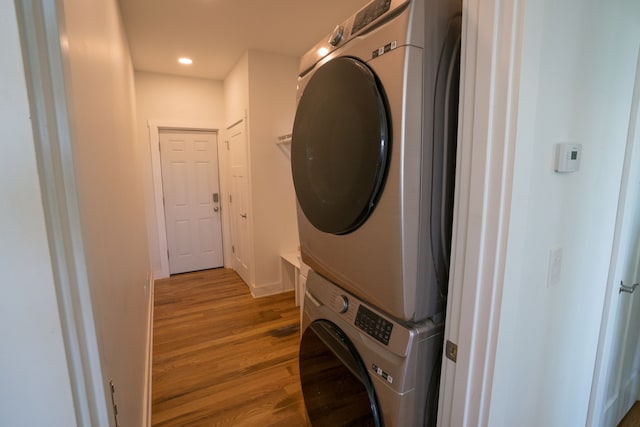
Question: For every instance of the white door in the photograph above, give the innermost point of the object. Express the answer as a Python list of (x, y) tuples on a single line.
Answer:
[(239, 201), (191, 199), (617, 377)]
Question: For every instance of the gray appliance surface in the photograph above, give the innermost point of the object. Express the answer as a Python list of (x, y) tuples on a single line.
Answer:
[(389, 260), (401, 371)]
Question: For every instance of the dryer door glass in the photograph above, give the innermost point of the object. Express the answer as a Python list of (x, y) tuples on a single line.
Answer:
[(340, 145), (336, 387)]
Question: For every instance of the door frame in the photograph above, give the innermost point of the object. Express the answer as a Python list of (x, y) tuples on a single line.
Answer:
[(492, 36), (603, 356), (42, 27), (155, 126)]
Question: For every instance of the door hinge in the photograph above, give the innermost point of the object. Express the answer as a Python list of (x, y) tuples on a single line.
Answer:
[(113, 402), (233, 249), (230, 198), (168, 256), (451, 351)]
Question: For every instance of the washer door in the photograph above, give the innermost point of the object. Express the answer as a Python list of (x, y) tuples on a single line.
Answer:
[(339, 146), (336, 387)]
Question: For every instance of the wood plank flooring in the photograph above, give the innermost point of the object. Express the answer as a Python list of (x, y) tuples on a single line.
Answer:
[(221, 357), (632, 419)]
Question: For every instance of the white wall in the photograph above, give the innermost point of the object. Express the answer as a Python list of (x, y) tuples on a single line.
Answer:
[(236, 91), (577, 78), (100, 85), (264, 85), (172, 99), (272, 108), (34, 379)]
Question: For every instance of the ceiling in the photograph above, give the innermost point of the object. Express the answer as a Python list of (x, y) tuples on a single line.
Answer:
[(215, 33)]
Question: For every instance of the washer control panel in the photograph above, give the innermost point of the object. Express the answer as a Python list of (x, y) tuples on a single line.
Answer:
[(337, 305), (374, 325)]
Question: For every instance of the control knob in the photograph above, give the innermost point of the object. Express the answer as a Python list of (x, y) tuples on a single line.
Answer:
[(336, 36), (341, 304)]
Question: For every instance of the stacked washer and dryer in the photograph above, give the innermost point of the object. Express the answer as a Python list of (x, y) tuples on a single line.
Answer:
[(373, 159)]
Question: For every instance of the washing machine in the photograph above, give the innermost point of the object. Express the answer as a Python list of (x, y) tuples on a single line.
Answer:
[(359, 367), (373, 154)]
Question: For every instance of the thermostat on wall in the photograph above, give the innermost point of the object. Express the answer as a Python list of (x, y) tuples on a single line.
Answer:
[(568, 157)]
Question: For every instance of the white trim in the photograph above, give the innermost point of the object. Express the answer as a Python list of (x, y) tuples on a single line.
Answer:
[(273, 288), (148, 397), (156, 170), (491, 42), (42, 27)]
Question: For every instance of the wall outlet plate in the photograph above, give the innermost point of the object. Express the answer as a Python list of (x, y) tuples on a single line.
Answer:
[(555, 267)]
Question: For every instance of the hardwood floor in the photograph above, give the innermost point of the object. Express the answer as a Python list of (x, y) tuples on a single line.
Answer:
[(632, 419), (221, 357)]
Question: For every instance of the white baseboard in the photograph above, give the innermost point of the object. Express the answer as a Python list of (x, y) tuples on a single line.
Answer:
[(630, 389), (160, 274), (146, 409), (268, 289)]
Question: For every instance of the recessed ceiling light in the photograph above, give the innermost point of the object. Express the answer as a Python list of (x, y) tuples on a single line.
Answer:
[(185, 61), (323, 51)]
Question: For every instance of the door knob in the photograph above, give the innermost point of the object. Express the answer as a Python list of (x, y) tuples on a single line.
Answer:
[(628, 289), (216, 209), (243, 216)]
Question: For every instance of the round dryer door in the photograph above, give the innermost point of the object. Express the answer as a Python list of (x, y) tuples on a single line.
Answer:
[(336, 387), (340, 146)]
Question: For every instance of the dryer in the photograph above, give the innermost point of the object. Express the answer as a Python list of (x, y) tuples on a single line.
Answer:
[(359, 367), (373, 154)]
